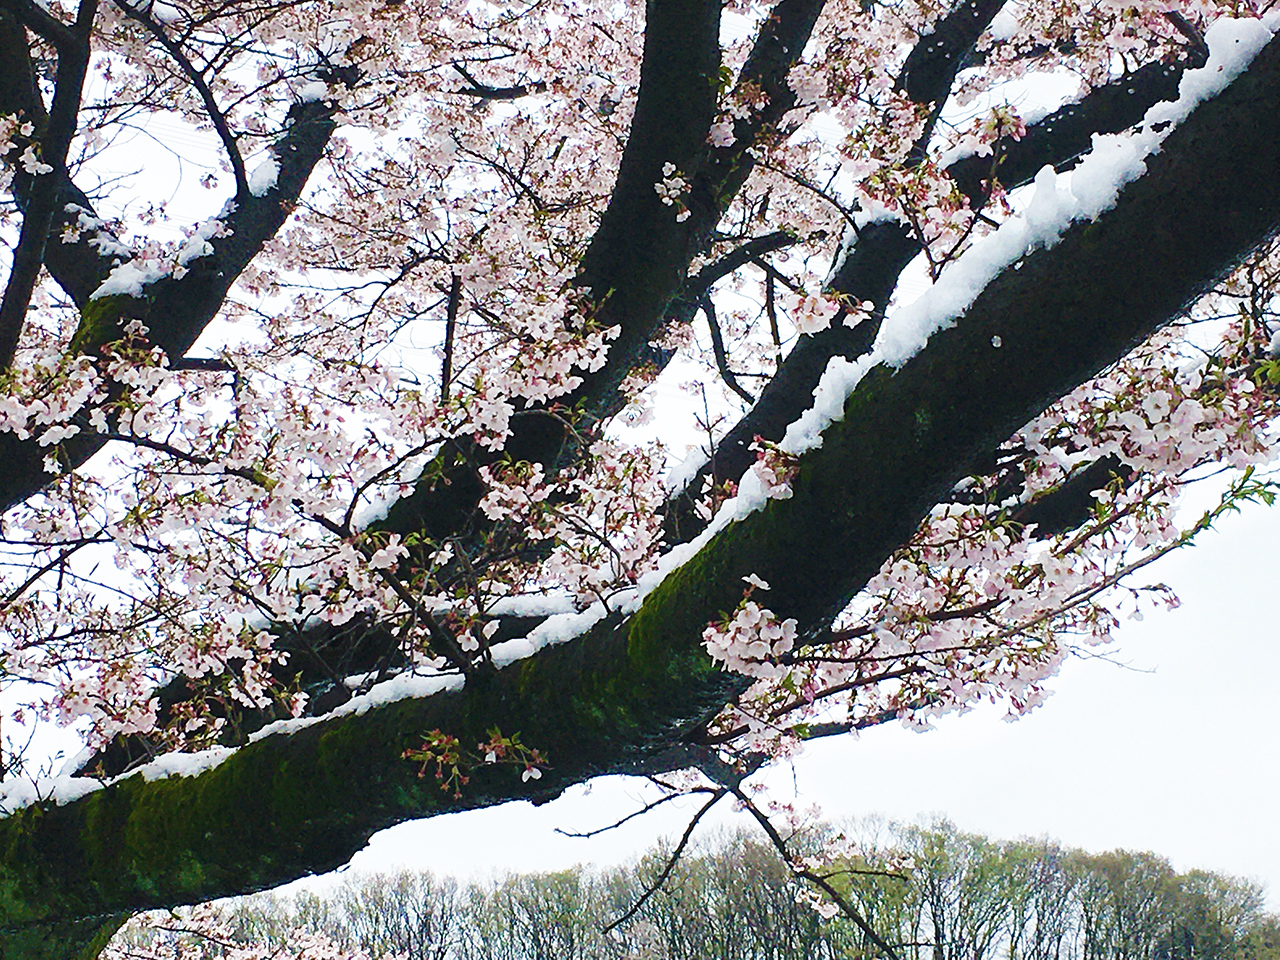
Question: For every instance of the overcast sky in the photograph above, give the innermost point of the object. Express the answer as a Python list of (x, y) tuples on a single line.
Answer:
[(1179, 753)]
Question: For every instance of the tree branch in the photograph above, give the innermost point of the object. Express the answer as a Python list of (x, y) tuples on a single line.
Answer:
[(702, 281), (717, 348), (870, 267), (44, 24), (55, 140), (450, 323), (194, 77), (940, 54), (482, 91)]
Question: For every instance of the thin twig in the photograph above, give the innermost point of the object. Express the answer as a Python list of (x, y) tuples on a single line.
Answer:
[(654, 887), (717, 348), (804, 184), (772, 271), (635, 813), (815, 878), (53, 562), (450, 324)]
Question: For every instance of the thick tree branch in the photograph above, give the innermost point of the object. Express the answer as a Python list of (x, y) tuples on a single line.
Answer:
[(1060, 138), (639, 256), (870, 268), (619, 698), (44, 24), (19, 92), (81, 255), (54, 141), (940, 54)]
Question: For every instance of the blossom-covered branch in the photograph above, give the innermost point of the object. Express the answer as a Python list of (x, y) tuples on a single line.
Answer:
[(622, 696)]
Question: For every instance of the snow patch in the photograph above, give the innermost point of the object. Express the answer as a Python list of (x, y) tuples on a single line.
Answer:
[(682, 474), (1004, 25), (533, 605), (310, 92), (129, 278), (198, 245), (264, 177)]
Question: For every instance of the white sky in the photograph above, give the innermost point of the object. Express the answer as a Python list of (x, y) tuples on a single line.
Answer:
[(1179, 753)]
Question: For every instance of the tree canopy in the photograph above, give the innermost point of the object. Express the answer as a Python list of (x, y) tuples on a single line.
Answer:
[(334, 505)]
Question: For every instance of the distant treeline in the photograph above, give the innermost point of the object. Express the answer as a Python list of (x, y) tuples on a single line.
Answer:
[(933, 893)]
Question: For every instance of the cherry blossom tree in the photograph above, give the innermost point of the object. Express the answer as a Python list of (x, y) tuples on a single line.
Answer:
[(338, 508)]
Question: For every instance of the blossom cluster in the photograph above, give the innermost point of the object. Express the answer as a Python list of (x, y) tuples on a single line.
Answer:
[(983, 604), (602, 523), (206, 933), (752, 640), (774, 468), (673, 187)]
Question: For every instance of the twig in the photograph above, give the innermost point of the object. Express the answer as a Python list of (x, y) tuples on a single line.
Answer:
[(53, 562), (772, 271), (771, 310), (450, 324), (711, 436), (816, 879), (654, 887), (804, 184), (635, 813), (206, 95), (717, 348)]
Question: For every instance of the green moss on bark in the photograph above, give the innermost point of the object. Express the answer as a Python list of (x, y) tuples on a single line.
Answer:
[(102, 321)]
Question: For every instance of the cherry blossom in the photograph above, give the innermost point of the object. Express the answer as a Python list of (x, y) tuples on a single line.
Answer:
[(423, 302)]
